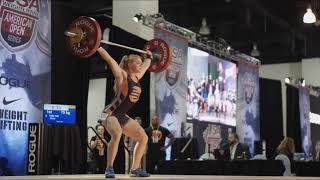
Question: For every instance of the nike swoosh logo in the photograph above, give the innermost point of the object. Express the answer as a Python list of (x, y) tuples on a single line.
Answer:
[(169, 124), (5, 102)]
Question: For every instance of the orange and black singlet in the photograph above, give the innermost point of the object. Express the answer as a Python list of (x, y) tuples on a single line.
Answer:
[(127, 94)]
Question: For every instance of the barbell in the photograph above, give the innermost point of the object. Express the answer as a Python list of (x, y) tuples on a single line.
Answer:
[(83, 38)]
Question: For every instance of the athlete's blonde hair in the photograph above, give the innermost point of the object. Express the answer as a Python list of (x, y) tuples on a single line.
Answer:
[(128, 59)]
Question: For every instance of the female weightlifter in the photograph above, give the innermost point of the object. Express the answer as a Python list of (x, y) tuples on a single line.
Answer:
[(127, 91)]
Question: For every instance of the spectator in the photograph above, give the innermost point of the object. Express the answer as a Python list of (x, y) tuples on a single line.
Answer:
[(156, 143), (98, 146), (317, 151), (287, 148), (238, 150)]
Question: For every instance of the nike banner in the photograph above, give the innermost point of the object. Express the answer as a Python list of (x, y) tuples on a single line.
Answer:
[(25, 76)]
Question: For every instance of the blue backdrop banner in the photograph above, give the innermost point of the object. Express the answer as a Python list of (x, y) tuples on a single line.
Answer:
[(25, 80), (304, 107), (171, 86), (248, 121)]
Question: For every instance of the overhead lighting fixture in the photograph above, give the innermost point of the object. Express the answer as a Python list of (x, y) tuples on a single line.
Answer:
[(309, 17), (255, 52), (204, 29), (137, 17)]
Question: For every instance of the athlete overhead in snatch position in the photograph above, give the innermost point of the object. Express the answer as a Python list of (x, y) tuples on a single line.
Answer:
[(127, 91)]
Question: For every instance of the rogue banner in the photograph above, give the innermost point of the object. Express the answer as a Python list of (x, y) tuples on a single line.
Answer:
[(25, 76)]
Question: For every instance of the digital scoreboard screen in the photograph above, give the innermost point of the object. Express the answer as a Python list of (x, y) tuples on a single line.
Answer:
[(59, 114)]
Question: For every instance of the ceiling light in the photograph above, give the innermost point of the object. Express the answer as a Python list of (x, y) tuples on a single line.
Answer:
[(309, 17), (204, 29)]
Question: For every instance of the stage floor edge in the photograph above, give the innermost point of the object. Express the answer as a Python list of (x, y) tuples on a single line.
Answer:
[(168, 177)]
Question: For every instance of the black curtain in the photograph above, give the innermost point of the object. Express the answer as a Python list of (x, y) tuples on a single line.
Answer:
[(293, 116), (271, 127), (67, 144), (315, 128)]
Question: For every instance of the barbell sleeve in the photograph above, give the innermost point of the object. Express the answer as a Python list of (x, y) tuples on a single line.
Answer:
[(70, 34)]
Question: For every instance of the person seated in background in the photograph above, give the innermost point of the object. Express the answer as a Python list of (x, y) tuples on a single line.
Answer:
[(317, 151), (99, 149), (156, 143), (237, 150), (287, 148)]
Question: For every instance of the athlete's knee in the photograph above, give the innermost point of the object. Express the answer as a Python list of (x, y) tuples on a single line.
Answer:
[(117, 133)]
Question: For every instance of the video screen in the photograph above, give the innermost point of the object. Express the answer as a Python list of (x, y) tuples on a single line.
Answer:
[(212, 86), (59, 114)]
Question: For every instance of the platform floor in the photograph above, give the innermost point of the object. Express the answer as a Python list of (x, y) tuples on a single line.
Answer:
[(167, 177)]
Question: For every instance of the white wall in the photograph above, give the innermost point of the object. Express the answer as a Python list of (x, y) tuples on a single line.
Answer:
[(124, 10), (96, 102), (280, 72), (311, 71)]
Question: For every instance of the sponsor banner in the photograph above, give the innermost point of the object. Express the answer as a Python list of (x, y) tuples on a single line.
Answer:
[(25, 75), (248, 121), (171, 86), (304, 107), (33, 148)]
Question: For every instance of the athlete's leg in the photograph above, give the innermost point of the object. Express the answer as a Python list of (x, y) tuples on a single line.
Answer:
[(114, 129), (135, 131)]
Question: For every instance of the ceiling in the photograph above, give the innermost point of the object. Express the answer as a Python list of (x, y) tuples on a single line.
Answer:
[(275, 25)]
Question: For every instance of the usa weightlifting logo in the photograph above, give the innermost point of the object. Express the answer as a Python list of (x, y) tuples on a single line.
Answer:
[(18, 23)]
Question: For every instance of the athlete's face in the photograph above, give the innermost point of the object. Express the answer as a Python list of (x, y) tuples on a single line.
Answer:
[(135, 65)]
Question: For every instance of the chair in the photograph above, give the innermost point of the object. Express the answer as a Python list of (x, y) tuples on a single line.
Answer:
[(259, 157), (207, 156), (286, 163)]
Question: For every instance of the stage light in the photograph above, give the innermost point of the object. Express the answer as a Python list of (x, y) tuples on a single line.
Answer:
[(287, 80), (204, 29), (309, 17), (255, 52), (137, 17)]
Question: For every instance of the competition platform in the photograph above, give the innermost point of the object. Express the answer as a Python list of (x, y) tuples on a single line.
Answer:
[(168, 177)]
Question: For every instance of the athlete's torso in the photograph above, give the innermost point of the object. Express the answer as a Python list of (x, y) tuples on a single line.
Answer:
[(126, 96)]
